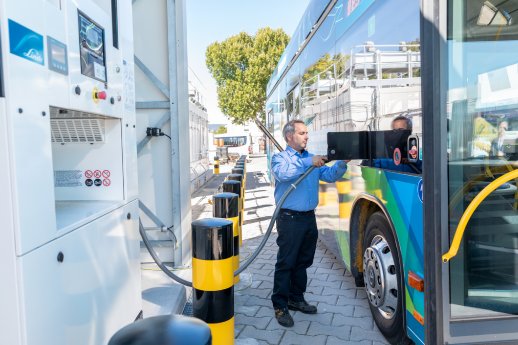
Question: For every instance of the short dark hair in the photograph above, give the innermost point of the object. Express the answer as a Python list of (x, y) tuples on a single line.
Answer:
[(404, 118), (290, 128)]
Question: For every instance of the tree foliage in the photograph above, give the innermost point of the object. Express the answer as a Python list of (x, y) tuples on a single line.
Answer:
[(242, 65), (221, 130), (334, 66)]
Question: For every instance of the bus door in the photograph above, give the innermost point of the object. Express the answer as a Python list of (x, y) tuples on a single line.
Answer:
[(471, 141)]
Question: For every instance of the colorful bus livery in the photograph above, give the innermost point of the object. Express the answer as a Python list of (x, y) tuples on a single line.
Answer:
[(340, 83), (445, 71)]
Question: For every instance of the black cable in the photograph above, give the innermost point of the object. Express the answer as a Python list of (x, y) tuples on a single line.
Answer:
[(157, 259), (167, 136)]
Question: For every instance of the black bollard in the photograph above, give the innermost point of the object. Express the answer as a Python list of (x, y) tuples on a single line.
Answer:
[(164, 330)]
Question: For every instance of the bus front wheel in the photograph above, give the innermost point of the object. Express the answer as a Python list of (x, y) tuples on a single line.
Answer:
[(382, 278)]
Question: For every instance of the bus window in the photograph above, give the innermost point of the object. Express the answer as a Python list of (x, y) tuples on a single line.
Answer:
[(482, 140), (234, 141), (235, 145)]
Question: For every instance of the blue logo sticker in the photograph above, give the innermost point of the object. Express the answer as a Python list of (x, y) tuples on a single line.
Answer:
[(25, 43), (420, 190)]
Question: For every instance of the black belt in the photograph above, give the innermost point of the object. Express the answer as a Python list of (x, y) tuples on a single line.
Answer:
[(297, 213)]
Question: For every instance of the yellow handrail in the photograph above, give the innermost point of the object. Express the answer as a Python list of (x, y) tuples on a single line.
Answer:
[(479, 178), (459, 232)]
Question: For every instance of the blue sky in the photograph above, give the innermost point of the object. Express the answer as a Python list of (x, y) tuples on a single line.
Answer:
[(210, 21)]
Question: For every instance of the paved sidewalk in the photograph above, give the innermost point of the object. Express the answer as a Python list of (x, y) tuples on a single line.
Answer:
[(343, 312)]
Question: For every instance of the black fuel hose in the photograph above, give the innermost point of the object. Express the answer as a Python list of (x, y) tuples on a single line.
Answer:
[(157, 259), (292, 187), (250, 259)]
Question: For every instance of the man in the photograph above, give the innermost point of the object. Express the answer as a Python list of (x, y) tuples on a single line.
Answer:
[(398, 123), (401, 122), (296, 224)]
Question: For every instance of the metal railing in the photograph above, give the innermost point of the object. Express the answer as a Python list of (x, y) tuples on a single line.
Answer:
[(367, 65)]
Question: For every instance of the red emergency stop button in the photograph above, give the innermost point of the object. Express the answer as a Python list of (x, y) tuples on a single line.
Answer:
[(100, 95)]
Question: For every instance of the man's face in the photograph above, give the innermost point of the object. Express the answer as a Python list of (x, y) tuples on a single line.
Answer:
[(399, 124), (299, 139)]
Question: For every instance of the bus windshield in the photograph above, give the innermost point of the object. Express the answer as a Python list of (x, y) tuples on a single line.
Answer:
[(234, 141)]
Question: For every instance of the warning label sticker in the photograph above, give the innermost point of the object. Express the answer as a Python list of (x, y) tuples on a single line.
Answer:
[(68, 178)]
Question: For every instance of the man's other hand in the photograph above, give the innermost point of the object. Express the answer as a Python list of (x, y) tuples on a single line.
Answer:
[(319, 161)]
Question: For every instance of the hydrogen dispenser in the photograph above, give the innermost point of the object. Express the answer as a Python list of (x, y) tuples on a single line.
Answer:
[(69, 248)]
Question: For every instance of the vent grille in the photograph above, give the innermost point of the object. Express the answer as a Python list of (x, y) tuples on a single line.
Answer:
[(77, 130), (61, 113)]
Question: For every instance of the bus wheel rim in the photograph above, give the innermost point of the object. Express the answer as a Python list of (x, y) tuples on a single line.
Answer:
[(379, 274)]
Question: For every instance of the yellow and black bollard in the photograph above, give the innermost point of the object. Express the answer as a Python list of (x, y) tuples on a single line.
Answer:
[(239, 177), (344, 187), (233, 186), (238, 170), (226, 205), (241, 172), (213, 277), (216, 165), (240, 165), (322, 193)]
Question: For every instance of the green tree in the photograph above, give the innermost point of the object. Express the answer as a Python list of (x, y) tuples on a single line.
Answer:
[(221, 130), (417, 45), (242, 65)]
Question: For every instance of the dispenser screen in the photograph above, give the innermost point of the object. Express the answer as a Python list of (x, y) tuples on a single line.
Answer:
[(91, 46), (57, 53)]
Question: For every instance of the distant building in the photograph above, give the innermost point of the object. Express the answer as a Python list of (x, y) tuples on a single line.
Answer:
[(198, 134)]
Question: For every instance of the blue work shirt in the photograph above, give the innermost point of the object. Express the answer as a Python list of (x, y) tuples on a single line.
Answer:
[(289, 165)]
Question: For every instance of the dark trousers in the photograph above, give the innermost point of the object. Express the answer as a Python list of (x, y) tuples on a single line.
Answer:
[(297, 240)]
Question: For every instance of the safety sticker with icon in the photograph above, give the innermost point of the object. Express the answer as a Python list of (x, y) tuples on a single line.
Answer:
[(413, 148)]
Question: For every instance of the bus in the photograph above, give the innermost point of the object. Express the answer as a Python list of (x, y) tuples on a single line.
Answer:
[(234, 145), (428, 223)]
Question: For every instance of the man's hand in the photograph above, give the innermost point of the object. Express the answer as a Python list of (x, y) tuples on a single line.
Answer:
[(319, 161)]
